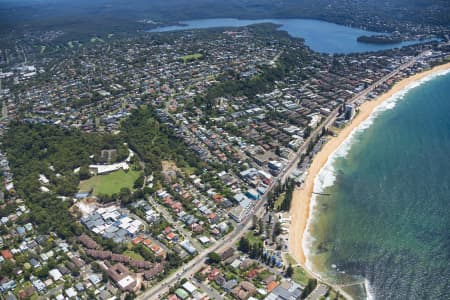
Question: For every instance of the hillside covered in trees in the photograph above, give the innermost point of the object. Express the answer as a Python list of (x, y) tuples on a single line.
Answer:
[(96, 17), (155, 142), (55, 152)]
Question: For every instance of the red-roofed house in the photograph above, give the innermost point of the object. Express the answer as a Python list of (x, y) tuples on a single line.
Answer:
[(252, 273), (217, 198), (271, 286), (186, 196), (213, 274), (168, 201), (7, 254), (177, 206), (213, 218), (137, 240), (157, 250), (172, 237)]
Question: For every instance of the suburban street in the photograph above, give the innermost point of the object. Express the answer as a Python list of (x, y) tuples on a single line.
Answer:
[(189, 269), (182, 150), (161, 209)]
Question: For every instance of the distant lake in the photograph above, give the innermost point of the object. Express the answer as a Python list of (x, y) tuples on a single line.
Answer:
[(320, 36)]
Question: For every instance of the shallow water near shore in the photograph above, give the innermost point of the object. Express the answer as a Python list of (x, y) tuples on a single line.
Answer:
[(385, 226)]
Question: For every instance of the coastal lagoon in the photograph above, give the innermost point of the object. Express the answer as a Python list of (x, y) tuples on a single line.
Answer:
[(320, 36), (385, 225)]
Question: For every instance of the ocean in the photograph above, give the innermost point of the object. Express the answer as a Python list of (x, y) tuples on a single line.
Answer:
[(384, 230)]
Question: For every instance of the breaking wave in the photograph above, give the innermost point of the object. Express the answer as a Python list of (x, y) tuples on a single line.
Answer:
[(327, 175)]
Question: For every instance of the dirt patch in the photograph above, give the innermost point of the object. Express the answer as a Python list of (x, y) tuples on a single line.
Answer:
[(169, 170)]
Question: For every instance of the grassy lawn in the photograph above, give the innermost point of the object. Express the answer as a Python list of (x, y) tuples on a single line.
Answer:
[(279, 201), (133, 255), (111, 183), (253, 238), (290, 259), (191, 57), (215, 286), (189, 170), (264, 274), (333, 295), (300, 274)]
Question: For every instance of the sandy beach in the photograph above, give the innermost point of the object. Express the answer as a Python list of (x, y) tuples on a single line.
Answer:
[(300, 207)]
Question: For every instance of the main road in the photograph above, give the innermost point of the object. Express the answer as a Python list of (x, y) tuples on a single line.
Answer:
[(193, 266)]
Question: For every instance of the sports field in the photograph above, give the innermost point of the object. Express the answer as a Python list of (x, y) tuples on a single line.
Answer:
[(111, 183)]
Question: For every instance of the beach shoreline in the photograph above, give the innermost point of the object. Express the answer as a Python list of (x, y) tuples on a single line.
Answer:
[(301, 205)]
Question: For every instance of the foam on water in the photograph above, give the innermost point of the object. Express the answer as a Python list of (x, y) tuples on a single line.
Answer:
[(326, 176), (369, 291)]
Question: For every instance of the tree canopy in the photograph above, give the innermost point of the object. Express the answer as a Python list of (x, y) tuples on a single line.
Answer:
[(54, 152), (154, 141)]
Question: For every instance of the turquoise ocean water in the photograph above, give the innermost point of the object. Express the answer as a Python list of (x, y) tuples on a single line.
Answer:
[(387, 221)]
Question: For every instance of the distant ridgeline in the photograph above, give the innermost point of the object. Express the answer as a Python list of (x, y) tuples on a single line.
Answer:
[(379, 39), (78, 18)]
